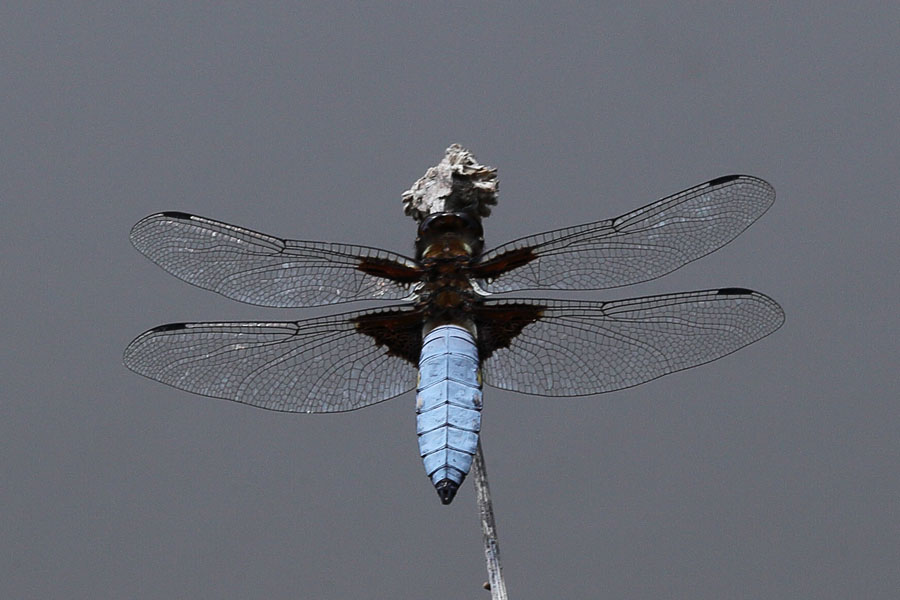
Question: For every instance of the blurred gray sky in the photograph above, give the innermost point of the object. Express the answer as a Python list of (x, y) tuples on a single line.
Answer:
[(769, 474)]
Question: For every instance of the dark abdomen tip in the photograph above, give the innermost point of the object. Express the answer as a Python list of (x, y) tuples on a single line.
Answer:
[(446, 489)]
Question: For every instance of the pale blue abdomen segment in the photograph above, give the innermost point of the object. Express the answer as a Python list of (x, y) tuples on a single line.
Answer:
[(448, 406)]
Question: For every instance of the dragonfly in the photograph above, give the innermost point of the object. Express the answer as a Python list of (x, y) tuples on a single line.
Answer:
[(451, 330)]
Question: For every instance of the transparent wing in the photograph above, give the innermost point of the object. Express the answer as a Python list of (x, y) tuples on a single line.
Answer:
[(269, 271), (563, 348), (329, 364), (641, 245)]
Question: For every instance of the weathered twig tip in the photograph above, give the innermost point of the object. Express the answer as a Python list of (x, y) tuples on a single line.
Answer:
[(457, 184)]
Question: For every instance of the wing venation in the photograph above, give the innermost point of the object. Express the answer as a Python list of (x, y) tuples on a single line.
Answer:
[(644, 244), (576, 348), (326, 364), (268, 271)]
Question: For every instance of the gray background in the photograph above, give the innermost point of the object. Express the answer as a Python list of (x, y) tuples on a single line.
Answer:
[(769, 474)]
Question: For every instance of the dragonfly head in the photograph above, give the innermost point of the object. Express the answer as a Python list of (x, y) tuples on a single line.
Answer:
[(449, 235)]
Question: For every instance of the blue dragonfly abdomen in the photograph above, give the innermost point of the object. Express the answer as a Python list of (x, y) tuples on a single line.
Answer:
[(448, 406)]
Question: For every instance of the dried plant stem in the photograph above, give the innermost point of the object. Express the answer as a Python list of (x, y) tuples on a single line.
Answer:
[(488, 528)]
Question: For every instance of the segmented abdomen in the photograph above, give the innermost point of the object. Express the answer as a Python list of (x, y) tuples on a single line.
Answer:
[(448, 406)]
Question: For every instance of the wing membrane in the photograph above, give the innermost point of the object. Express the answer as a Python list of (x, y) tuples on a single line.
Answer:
[(318, 365), (561, 348), (260, 269), (641, 245)]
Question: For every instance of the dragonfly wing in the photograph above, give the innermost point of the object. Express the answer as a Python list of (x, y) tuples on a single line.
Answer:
[(560, 348), (328, 364), (641, 245), (268, 271)]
